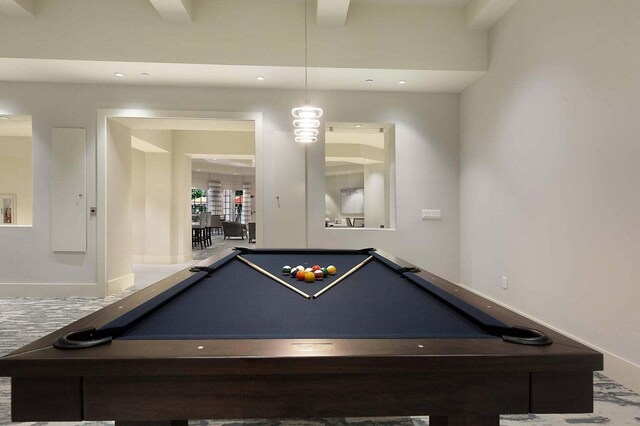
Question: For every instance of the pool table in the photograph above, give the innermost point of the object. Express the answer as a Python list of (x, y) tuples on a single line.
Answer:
[(237, 338)]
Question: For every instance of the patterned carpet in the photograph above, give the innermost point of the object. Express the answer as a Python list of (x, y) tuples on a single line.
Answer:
[(25, 319)]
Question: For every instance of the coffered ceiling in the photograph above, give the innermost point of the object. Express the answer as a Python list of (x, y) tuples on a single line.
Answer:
[(431, 45)]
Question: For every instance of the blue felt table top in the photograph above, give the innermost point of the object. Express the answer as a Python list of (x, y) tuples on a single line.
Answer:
[(237, 302)]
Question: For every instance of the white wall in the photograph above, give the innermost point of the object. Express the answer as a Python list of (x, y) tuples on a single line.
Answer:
[(374, 196), (426, 176), (426, 145), (15, 175), (138, 201), (151, 203), (158, 220), (57, 273), (333, 185), (158, 184), (220, 143), (549, 184)]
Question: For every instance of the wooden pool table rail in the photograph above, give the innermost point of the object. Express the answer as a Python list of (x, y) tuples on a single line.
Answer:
[(455, 380)]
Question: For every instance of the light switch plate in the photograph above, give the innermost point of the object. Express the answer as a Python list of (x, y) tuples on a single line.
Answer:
[(428, 214)]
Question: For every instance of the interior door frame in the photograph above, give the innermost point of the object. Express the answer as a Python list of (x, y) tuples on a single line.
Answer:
[(101, 170)]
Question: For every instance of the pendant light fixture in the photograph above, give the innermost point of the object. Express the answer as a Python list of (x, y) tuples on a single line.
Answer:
[(305, 119)]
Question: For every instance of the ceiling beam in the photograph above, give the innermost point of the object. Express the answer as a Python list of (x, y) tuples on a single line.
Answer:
[(18, 8), (332, 13), (483, 14), (175, 11)]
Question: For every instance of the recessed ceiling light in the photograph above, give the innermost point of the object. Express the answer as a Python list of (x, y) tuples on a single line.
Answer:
[(144, 74), (118, 74), (260, 78), (358, 125), (402, 82), (368, 80)]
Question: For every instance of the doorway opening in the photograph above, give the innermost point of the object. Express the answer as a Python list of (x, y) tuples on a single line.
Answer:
[(149, 164)]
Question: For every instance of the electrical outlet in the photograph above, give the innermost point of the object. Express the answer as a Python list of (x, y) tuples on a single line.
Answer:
[(431, 214), (505, 282)]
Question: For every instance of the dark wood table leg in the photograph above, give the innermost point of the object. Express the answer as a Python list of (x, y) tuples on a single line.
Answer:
[(153, 423), (473, 420)]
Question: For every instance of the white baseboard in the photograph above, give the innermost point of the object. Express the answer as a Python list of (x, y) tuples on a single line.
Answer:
[(118, 284), (161, 260), (49, 290), (619, 369)]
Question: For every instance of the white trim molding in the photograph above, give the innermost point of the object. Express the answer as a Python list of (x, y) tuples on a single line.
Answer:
[(49, 290)]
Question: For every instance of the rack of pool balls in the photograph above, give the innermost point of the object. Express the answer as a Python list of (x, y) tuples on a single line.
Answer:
[(316, 272)]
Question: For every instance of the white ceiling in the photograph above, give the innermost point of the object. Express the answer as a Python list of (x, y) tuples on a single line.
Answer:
[(199, 75), (225, 160), (374, 140), (353, 127), (185, 124), (220, 163), (342, 137), (438, 46), (144, 146), (430, 3)]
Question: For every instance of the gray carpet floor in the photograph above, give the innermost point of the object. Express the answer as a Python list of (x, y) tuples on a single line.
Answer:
[(25, 319)]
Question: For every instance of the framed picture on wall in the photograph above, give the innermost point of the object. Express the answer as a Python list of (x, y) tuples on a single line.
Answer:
[(7, 209)]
